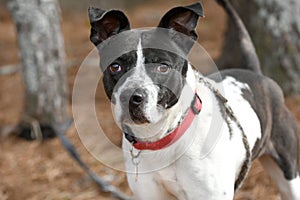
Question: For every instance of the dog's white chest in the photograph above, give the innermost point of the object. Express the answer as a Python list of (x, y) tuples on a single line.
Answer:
[(172, 182), (160, 185), (201, 172)]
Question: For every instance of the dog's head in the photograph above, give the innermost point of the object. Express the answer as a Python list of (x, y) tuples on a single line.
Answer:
[(146, 74)]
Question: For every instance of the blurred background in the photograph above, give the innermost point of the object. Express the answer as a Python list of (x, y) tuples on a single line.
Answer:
[(43, 169)]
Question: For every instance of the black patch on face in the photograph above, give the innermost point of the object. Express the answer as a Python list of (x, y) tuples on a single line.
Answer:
[(126, 62), (171, 83)]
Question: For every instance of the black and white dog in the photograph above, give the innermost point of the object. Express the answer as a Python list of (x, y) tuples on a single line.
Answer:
[(169, 112)]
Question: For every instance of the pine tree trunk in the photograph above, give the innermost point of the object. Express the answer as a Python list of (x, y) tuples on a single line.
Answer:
[(275, 29), (42, 58)]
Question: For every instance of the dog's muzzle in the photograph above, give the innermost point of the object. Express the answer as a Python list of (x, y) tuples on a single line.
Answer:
[(136, 101)]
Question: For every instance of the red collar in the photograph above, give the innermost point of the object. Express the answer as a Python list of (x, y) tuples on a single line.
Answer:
[(172, 137)]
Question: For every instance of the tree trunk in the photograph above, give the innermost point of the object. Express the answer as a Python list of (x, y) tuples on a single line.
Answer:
[(42, 58), (274, 27)]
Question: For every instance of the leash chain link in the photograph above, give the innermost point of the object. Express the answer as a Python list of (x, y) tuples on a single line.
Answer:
[(232, 116)]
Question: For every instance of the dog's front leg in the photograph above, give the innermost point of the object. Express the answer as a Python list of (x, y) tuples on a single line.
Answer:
[(146, 187)]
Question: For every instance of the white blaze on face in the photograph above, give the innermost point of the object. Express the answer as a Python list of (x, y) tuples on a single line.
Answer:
[(140, 62), (145, 82)]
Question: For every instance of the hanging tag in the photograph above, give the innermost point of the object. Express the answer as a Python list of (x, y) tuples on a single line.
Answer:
[(135, 161)]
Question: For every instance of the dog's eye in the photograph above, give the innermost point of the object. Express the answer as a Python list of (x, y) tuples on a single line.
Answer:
[(115, 68), (163, 69)]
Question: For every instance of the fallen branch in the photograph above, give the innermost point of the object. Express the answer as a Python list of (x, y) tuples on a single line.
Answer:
[(103, 185)]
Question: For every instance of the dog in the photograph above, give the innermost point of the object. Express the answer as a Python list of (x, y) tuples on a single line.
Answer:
[(168, 111)]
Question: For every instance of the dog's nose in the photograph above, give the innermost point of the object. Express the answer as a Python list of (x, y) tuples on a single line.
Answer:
[(138, 97)]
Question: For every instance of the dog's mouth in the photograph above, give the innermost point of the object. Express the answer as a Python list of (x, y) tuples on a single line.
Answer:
[(137, 114), (146, 109)]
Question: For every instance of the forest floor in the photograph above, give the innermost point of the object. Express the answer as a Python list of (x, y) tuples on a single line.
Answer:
[(43, 169)]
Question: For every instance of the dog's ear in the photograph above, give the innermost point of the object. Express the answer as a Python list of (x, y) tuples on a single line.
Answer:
[(183, 19), (105, 24)]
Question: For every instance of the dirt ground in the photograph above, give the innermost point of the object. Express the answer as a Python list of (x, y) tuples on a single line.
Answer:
[(43, 170)]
